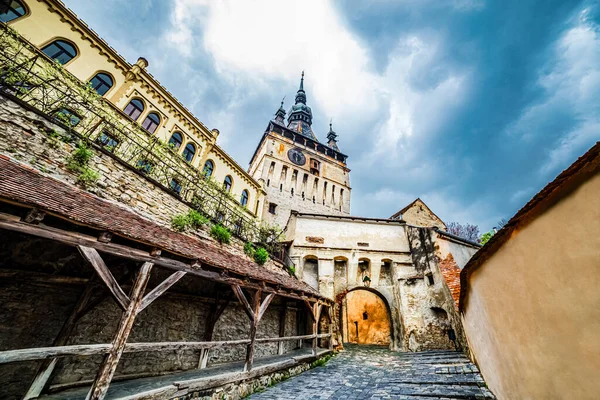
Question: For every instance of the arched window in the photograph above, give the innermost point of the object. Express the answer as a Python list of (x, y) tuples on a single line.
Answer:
[(61, 51), (134, 109), (244, 198), (15, 10), (175, 185), (101, 83), (208, 168), (151, 122), (227, 183), (189, 151), (176, 140), (67, 117)]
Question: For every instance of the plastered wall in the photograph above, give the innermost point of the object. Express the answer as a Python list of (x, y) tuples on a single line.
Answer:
[(532, 313)]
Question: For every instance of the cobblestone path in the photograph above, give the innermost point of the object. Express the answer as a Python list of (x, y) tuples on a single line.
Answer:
[(369, 372)]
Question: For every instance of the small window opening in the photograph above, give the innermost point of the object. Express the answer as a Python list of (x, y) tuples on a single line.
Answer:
[(430, 279), (272, 208)]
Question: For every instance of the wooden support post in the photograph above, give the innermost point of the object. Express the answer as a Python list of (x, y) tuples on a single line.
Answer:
[(315, 313), (255, 312), (282, 317), (253, 326), (216, 310), (330, 313), (46, 367), (109, 364)]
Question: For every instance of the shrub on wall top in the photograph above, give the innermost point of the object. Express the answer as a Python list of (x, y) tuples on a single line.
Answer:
[(261, 256), (220, 234)]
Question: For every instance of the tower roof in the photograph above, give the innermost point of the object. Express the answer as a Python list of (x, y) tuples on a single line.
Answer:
[(300, 115), (280, 114), (332, 137)]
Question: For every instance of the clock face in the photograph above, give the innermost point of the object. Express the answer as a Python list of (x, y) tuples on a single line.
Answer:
[(296, 156)]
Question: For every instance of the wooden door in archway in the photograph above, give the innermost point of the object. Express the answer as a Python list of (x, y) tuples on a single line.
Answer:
[(366, 318)]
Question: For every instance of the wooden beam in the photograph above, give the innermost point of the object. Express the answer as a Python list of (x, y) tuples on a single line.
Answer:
[(160, 289), (310, 308), (317, 313), (239, 293), (253, 325), (282, 318), (38, 277), (46, 367), (76, 239), (92, 256), (330, 314), (216, 310), (111, 360), (43, 353), (263, 306)]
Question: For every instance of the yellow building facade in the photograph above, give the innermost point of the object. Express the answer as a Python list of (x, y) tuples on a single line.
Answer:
[(132, 90)]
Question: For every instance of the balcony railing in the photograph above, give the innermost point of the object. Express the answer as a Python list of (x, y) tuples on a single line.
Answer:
[(30, 76)]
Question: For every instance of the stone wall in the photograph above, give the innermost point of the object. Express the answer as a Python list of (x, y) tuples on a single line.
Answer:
[(25, 136)]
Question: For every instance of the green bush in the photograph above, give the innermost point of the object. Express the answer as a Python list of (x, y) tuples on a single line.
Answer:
[(292, 269), (220, 234), (192, 220), (261, 256), (196, 220), (249, 249), (179, 222), (82, 155), (78, 162), (88, 177)]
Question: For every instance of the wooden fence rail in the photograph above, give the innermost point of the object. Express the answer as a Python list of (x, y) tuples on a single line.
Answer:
[(42, 353)]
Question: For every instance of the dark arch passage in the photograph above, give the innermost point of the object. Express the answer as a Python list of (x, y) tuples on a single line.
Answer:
[(366, 318)]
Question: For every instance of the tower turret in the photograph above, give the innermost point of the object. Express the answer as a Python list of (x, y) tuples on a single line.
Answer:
[(332, 138)]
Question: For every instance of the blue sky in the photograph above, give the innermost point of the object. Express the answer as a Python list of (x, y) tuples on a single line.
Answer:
[(472, 105)]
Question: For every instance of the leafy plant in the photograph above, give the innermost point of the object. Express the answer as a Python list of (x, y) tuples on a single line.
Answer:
[(179, 223), (192, 220), (78, 162), (486, 237), (88, 177), (196, 220), (261, 256), (292, 269), (249, 249), (220, 234)]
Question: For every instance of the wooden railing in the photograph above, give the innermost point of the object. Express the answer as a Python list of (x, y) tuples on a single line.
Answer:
[(43, 353)]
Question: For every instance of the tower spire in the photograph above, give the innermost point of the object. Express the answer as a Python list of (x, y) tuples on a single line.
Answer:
[(280, 114), (301, 94), (332, 137)]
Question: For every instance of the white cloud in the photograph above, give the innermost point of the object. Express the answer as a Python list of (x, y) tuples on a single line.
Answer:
[(573, 88)]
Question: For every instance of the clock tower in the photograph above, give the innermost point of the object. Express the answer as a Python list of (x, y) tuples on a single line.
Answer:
[(298, 172)]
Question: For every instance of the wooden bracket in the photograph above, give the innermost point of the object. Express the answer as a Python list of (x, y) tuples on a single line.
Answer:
[(161, 288), (105, 237), (92, 256), (34, 216)]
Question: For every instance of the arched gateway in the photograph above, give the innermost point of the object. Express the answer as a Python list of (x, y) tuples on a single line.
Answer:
[(365, 318)]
